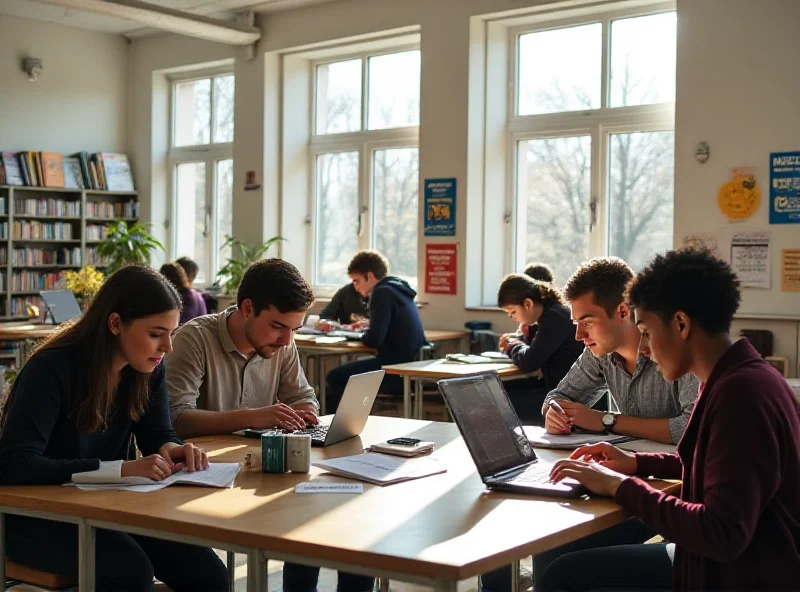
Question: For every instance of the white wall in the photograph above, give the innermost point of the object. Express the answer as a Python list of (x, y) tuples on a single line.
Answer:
[(80, 100)]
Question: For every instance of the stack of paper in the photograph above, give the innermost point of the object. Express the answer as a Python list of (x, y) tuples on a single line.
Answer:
[(401, 450), (539, 438), (220, 475), (381, 469)]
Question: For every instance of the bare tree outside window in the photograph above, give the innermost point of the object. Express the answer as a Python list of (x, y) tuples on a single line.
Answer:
[(337, 216)]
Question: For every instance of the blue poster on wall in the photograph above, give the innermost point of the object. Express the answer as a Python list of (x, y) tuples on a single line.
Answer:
[(784, 188), (440, 207)]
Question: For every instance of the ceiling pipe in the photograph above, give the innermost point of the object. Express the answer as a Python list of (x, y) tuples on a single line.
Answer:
[(167, 19)]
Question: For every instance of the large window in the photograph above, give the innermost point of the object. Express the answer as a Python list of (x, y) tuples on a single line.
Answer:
[(201, 157), (366, 162), (591, 120)]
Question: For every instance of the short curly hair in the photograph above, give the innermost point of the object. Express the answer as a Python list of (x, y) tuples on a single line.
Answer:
[(275, 282), (692, 281), (539, 271), (515, 288), (369, 261), (603, 277)]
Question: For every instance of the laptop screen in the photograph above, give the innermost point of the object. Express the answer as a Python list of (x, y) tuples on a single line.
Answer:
[(487, 422), (62, 304)]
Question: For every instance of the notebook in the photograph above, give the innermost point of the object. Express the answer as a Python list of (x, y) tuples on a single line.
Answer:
[(382, 469), (539, 438), (220, 475)]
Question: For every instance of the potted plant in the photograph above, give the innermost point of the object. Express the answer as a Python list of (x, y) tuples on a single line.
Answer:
[(242, 256), (127, 244), (84, 284)]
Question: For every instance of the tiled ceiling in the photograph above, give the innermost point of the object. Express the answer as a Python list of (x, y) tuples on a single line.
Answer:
[(222, 9)]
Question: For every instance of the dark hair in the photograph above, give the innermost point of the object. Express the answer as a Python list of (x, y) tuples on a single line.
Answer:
[(692, 281), (540, 271), (275, 282), (133, 293), (605, 278), (515, 288), (189, 266), (369, 261), (176, 276)]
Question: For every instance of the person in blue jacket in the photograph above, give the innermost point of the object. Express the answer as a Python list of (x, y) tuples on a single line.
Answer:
[(74, 408), (394, 327)]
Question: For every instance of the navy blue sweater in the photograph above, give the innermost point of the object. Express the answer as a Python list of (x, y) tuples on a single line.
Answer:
[(41, 445), (395, 328)]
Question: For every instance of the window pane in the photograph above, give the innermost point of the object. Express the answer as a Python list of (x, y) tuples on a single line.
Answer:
[(553, 189), (191, 220), (337, 216), (192, 112), (224, 208), (560, 70), (339, 97), (640, 195), (395, 188), (643, 60), (223, 108), (394, 90)]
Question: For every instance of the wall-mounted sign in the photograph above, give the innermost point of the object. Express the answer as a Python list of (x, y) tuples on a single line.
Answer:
[(784, 188), (440, 207), (441, 263)]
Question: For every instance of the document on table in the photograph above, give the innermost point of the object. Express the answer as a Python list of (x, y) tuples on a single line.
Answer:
[(382, 469), (311, 487), (648, 446), (539, 438), (221, 475)]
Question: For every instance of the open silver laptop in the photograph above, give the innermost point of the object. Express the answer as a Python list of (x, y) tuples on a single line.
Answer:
[(351, 416), (494, 436), (61, 304)]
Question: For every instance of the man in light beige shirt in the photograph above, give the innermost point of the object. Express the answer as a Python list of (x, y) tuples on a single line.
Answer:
[(240, 368)]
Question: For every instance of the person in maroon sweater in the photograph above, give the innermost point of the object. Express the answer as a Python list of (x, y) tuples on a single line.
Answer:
[(736, 523)]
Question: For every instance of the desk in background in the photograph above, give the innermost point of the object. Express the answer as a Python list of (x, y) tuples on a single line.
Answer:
[(309, 349), (26, 335), (440, 530)]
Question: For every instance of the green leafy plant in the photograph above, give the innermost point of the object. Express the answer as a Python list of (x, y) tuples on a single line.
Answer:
[(242, 256), (127, 244)]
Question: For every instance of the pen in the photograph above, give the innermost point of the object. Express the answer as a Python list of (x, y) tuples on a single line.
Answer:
[(554, 404)]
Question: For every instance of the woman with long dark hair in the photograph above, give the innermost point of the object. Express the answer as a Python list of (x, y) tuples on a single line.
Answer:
[(192, 301), (74, 407)]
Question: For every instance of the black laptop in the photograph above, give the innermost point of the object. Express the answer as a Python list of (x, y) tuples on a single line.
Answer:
[(494, 436)]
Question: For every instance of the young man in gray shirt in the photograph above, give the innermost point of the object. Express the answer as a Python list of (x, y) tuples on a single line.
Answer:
[(644, 404), (240, 368)]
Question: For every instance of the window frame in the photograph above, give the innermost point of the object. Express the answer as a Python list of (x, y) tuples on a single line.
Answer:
[(598, 123), (364, 142), (209, 154)]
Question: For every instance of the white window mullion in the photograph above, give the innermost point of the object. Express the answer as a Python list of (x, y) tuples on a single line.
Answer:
[(605, 68)]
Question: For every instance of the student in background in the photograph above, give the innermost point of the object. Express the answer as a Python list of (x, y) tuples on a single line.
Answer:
[(536, 271), (395, 328), (193, 303), (190, 267), (345, 308), (73, 409), (736, 523), (549, 344), (645, 404)]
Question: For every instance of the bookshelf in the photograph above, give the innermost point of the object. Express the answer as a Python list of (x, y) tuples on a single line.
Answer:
[(46, 231)]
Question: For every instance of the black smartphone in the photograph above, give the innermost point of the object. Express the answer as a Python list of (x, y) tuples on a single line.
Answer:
[(404, 441), (252, 433)]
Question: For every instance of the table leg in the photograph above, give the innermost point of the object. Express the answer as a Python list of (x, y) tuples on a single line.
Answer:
[(418, 397), (86, 555), (257, 579), (515, 573), (407, 397), (3, 550), (321, 387), (231, 571)]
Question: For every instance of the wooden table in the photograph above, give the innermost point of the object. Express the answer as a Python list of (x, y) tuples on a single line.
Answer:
[(434, 531), (309, 348), (26, 334), (437, 370)]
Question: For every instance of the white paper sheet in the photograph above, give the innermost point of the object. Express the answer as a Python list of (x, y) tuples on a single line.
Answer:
[(751, 259), (647, 446), (311, 487), (221, 475), (381, 469), (539, 438)]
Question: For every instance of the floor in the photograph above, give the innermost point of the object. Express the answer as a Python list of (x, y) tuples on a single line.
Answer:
[(327, 581)]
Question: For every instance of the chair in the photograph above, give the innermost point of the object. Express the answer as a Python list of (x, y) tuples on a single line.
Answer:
[(27, 575)]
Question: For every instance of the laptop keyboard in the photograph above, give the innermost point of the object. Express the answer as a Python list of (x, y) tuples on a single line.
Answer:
[(535, 473)]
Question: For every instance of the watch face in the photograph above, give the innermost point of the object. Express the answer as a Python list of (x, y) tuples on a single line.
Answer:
[(608, 419)]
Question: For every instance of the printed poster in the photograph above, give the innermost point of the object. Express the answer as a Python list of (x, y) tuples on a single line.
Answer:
[(740, 197), (750, 259), (790, 270), (708, 242), (784, 188), (440, 207), (441, 262)]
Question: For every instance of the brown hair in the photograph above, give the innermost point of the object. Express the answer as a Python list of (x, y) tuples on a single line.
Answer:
[(176, 276), (605, 278), (275, 282), (515, 288), (189, 266), (133, 293), (539, 271), (369, 261)]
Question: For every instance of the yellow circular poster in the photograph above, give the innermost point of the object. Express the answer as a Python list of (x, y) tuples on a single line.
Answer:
[(740, 197)]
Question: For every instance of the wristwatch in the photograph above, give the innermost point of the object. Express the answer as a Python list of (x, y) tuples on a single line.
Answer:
[(609, 421)]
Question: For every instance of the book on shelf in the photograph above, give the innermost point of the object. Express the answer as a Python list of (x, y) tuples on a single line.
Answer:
[(73, 177), (116, 172), (102, 171)]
